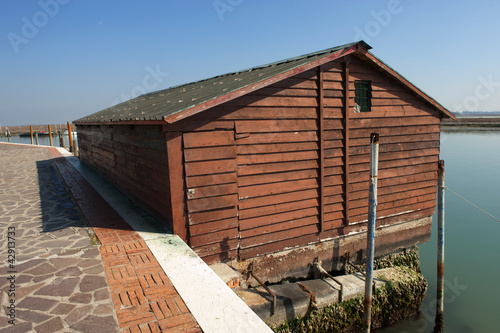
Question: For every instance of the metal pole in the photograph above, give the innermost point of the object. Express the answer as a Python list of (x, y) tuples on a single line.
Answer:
[(439, 322), (31, 133), (50, 136), (372, 209)]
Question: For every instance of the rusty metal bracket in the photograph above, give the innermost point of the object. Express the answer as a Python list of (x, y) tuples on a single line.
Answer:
[(251, 271), (324, 272)]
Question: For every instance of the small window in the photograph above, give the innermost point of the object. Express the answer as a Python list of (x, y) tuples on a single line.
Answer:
[(363, 96)]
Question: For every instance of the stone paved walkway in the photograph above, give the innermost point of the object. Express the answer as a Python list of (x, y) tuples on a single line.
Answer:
[(60, 281), (64, 282)]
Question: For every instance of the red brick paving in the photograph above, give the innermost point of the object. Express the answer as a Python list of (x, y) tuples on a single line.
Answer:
[(143, 296)]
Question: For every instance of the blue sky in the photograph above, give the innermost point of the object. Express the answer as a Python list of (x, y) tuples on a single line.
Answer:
[(64, 59)]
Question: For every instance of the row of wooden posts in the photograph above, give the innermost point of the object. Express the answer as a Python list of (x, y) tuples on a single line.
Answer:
[(72, 143)]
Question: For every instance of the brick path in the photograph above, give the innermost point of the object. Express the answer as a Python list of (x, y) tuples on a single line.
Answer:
[(65, 282), (143, 297)]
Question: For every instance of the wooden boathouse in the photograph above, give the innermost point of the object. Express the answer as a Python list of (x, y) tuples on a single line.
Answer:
[(270, 165)]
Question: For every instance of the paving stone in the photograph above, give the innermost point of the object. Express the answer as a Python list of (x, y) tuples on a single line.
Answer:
[(18, 328), (24, 278), (105, 324), (104, 309), (92, 252), (37, 279), (97, 269), (64, 262), (92, 282), (53, 325), (31, 316), (42, 269), (80, 298), (77, 314), (63, 308), (28, 290), (59, 287), (70, 271), (28, 265), (37, 303), (101, 294)]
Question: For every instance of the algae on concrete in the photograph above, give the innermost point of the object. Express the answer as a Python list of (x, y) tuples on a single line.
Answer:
[(399, 298)]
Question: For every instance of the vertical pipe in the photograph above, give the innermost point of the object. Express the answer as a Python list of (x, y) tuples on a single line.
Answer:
[(439, 322), (372, 209), (347, 100), (70, 137), (36, 138), (50, 136), (321, 139), (31, 133)]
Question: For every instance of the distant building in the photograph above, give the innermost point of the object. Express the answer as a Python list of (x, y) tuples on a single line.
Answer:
[(270, 165)]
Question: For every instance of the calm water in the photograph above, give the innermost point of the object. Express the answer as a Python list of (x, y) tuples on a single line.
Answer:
[(472, 265), (42, 140)]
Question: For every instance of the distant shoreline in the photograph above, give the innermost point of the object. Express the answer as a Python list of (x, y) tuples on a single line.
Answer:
[(470, 121)]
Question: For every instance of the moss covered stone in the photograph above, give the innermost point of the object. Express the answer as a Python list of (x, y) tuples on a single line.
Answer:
[(399, 298)]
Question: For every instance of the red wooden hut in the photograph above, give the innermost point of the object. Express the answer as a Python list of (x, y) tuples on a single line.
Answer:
[(271, 164)]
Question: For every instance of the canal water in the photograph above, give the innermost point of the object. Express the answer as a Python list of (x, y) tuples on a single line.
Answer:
[(472, 253), (43, 140)]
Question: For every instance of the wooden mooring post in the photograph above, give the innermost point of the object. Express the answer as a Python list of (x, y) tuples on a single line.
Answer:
[(372, 216), (70, 137), (31, 133), (50, 136), (439, 321)]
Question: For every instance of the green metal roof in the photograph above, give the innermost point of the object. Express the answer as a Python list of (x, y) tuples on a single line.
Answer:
[(164, 103)]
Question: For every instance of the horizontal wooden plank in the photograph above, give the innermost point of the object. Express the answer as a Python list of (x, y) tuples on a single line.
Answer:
[(211, 191), (210, 167), (396, 172), (362, 201), (336, 207), (198, 205), (395, 147), (270, 101), (384, 140), (278, 137), (396, 211), (275, 148), (286, 92), (277, 177), (396, 204), (355, 123), (399, 155), (220, 249), (337, 170), (257, 169), (277, 246), (277, 236), (277, 208), (278, 157), (214, 226), (360, 184), (208, 139), (247, 112), (394, 131), (334, 216), (333, 124), (277, 218), (247, 192), (212, 215), (214, 179), (277, 125), (279, 227), (209, 153), (278, 199), (299, 83), (395, 189)]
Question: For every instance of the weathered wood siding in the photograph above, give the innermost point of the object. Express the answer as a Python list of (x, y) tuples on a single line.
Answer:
[(133, 157), (264, 185), (211, 193), (409, 150)]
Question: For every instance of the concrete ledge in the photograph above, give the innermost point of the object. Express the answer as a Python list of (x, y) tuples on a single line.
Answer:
[(292, 301)]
